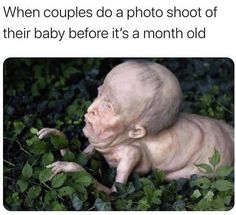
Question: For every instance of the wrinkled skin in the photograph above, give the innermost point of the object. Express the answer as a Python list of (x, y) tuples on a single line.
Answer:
[(113, 128)]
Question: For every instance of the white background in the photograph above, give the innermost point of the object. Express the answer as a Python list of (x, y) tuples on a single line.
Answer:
[(220, 41)]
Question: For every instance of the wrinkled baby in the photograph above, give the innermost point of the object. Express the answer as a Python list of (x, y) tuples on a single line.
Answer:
[(135, 122)]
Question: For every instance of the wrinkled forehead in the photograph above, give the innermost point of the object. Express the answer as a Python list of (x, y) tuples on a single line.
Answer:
[(124, 83), (127, 75)]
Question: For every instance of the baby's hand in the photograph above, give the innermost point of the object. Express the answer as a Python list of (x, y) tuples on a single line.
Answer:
[(46, 132), (63, 166)]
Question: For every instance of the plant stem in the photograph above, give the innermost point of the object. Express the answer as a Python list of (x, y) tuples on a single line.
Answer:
[(22, 149), (8, 162)]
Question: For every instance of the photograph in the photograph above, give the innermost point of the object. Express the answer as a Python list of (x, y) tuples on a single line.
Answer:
[(118, 134)]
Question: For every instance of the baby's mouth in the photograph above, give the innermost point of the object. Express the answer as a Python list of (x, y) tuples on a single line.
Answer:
[(88, 123)]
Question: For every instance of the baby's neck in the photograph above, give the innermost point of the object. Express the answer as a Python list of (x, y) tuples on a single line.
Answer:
[(104, 147)]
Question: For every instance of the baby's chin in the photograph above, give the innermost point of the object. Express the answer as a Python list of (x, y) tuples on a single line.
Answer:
[(89, 133)]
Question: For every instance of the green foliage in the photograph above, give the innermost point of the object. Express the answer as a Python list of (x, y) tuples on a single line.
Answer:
[(56, 93)]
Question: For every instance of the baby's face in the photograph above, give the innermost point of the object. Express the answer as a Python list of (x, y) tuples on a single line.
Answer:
[(115, 108)]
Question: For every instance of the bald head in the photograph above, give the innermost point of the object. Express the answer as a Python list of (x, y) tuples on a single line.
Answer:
[(149, 91)]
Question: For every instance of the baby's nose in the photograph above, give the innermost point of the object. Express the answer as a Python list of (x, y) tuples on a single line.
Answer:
[(92, 109)]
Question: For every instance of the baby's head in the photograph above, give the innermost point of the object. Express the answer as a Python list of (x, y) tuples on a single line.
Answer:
[(137, 97)]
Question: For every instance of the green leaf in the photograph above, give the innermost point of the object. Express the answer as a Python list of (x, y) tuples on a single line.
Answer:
[(148, 192), (66, 191), (130, 187), (59, 142), (37, 146), (215, 159), (82, 159), (147, 182), (23, 185), (209, 196), (34, 192), (27, 171), (223, 185), (156, 199), (204, 168), (50, 195), (203, 183), (179, 205), (227, 200), (206, 100), (58, 180), (77, 203), (44, 175), (196, 194), (47, 158), (82, 178), (18, 127), (121, 188), (69, 156), (159, 176), (123, 204), (223, 171), (56, 206), (33, 130), (101, 205), (143, 205), (81, 191), (32, 140)]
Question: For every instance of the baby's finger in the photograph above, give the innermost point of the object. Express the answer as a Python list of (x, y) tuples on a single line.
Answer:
[(55, 168), (55, 173), (52, 164), (44, 134), (41, 131)]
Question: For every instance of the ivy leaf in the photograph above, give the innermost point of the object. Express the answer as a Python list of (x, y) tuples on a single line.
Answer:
[(123, 204), (121, 188), (100, 205), (18, 127), (204, 168), (223, 171), (69, 156), (37, 146), (157, 197), (159, 176), (56, 206), (33, 130), (27, 171), (143, 205), (32, 140), (82, 159), (23, 185), (47, 158), (34, 192), (209, 196), (196, 194), (58, 180), (215, 159), (50, 195), (223, 185), (179, 205), (66, 191), (203, 183), (77, 203), (59, 142), (44, 175), (148, 192), (82, 178)]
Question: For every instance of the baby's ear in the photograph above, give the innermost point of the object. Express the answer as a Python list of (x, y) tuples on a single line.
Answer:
[(137, 132)]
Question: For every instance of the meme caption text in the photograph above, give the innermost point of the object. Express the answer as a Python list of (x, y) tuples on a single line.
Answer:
[(119, 31)]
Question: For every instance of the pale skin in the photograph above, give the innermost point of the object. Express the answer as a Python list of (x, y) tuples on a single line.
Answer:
[(114, 129)]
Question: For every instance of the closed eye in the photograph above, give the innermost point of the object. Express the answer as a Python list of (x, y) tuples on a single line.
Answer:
[(107, 105)]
